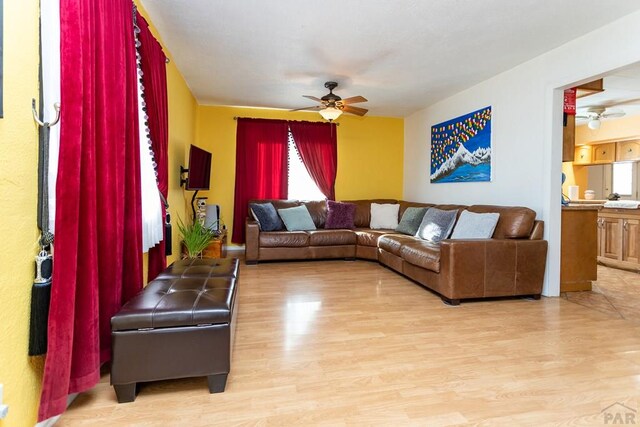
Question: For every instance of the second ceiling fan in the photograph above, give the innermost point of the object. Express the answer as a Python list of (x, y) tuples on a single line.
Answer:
[(331, 106)]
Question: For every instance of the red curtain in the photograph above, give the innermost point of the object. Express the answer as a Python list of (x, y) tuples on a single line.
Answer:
[(261, 166), (154, 79), (318, 148), (98, 247)]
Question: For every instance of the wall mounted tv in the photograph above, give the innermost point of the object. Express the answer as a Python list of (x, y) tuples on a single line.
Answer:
[(199, 175)]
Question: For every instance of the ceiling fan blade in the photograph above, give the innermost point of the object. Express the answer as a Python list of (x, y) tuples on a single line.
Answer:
[(313, 98), (354, 100), (583, 117), (354, 110), (614, 114), (314, 108)]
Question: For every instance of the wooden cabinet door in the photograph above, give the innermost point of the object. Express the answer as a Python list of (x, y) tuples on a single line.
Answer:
[(569, 139), (604, 153), (630, 228), (628, 150), (612, 238), (583, 155)]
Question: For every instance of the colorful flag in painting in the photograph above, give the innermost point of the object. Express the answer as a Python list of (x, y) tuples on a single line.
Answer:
[(461, 148)]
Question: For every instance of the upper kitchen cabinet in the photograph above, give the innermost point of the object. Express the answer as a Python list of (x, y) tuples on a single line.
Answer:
[(569, 129), (628, 151)]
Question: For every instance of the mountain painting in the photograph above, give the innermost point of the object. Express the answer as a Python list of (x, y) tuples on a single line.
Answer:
[(461, 148)]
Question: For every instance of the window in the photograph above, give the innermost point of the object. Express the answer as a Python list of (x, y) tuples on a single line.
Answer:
[(301, 186), (623, 178)]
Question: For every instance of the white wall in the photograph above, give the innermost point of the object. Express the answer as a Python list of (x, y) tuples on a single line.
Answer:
[(526, 130)]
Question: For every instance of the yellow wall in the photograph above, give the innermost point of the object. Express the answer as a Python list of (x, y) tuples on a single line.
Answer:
[(19, 373), (370, 153), (182, 119), (610, 130), (576, 175)]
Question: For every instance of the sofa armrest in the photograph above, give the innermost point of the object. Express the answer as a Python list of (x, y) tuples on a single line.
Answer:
[(477, 268), (252, 240)]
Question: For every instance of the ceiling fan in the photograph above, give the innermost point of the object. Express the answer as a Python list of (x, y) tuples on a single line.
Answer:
[(332, 106), (596, 114)]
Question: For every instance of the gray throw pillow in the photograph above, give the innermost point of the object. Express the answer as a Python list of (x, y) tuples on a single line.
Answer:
[(267, 217), (473, 225), (297, 218), (411, 220), (436, 225)]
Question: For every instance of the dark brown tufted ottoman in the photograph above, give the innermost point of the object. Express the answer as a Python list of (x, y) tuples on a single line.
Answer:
[(180, 325)]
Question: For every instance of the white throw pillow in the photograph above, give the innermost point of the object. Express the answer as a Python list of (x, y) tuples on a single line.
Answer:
[(473, 225), (384, 216)]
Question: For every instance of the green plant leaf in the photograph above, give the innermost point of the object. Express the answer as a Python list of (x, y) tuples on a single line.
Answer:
[(195, 236)]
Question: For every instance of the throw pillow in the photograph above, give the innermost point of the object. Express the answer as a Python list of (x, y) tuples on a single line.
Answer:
[(436, 225), (384, 216), (267, 217), (340, 215), (411, 220), (297, 218), (473, 225)]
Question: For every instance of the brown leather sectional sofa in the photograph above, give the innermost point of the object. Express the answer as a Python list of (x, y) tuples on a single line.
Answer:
[(511, 263)]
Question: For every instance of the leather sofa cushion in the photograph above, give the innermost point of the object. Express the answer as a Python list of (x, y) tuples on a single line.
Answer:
[(201, 267), (318, 211), (169, 303), (515, 222), (291, 239), (363, 210), (422, 254), (368, 237), (393, 242), (331, 237)]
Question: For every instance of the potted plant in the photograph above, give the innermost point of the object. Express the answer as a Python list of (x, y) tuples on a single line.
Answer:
[(195, 238)]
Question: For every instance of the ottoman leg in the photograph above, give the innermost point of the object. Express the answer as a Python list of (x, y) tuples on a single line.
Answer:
[(125, 392), (217, 383)]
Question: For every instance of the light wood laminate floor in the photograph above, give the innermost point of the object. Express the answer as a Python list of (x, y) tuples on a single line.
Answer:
[(616, 292), (352, 343)]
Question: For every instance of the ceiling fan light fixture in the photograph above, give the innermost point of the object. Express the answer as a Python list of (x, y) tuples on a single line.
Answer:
[(330, 113), (594, 124)]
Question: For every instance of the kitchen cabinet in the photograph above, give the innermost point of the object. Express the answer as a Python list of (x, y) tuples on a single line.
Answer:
[(619, 238), (630, 228), (583, 155), (569, 139), (578, 248), (628, 151), (604, 153), (610, 237)]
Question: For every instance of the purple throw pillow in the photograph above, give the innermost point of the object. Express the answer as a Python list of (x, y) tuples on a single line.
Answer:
[(340, 215)]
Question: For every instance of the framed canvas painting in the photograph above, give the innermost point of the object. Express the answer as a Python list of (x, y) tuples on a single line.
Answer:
[(461, 148)]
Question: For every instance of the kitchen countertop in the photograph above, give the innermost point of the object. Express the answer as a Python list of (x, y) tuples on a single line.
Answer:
[(588, 202), (581, 207)]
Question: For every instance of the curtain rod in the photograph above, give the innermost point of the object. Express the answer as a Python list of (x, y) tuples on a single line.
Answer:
[(307, 121)]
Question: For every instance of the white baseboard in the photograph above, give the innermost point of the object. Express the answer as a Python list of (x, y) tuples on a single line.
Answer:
[(51, 421)]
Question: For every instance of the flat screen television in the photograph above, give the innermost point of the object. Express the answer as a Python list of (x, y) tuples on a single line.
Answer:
[(199, 175)]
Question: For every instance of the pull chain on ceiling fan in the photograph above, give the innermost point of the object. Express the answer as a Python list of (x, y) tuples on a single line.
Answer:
[(332, 106)]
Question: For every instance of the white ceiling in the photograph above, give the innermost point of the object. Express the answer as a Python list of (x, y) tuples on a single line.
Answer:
[(402, 55), (621, 93)]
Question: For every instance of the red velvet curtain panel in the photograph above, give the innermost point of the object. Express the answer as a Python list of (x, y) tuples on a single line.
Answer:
[(318, 147), (154, 79), (98, 259), (261, 166)]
